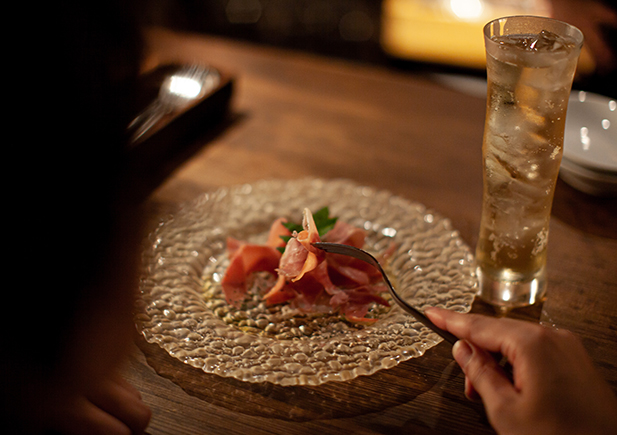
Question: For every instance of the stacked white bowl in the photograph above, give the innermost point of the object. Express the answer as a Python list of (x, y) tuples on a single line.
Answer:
[(589, 161)]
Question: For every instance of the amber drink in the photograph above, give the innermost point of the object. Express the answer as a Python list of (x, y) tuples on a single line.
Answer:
[(530, 68)]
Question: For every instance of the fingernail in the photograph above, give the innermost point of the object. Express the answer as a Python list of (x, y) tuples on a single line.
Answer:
[(470, 391), (433, 313), (461, 351)]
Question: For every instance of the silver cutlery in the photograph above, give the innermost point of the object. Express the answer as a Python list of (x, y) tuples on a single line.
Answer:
[(337, 248), (177, 91)]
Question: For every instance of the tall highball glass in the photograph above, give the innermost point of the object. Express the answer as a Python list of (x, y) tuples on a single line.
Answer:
[(531, 63)]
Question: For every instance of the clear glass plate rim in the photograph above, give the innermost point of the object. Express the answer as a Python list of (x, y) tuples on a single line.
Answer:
[(189, 272)]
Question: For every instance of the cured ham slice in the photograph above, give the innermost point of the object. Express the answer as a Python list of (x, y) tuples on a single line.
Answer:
[(280, 293), (347, 271), (300, 256), (247, 258), (307, 277), (346, 234), (358, 302), (277, 231), (314, 284)]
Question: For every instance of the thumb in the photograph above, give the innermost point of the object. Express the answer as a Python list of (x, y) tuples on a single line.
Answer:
[(483, 374)]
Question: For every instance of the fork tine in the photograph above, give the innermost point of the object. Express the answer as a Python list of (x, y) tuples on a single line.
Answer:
[(360, 254)]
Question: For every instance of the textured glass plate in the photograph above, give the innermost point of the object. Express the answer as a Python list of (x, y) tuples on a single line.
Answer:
[(182, 309)]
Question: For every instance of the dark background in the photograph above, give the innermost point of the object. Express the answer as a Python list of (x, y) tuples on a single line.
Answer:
[(347, 29)]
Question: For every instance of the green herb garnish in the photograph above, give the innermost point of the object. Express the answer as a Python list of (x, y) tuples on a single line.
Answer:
[(323, 222)]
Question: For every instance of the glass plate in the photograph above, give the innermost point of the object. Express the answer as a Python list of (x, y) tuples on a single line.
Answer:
[(181, 307)]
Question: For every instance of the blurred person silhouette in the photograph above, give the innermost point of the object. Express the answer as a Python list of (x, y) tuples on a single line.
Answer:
[(597, 19), (73, 230)]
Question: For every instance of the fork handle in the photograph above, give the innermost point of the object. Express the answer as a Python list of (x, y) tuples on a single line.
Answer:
[(362, 255), (420, 317)]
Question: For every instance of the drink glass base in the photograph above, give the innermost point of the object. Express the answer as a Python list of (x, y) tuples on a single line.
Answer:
[(506, 293)]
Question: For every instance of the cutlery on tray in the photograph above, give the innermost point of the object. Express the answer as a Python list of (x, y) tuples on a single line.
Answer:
[(179, 89)]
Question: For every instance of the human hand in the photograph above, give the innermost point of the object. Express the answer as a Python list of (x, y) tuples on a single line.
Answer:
[(113, 406), (555, 387), (592, 18)]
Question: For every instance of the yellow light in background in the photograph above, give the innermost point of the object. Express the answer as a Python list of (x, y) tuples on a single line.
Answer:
[(450, 31), (467, 9)]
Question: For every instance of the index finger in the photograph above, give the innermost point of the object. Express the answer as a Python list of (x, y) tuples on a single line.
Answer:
[(491, 334)]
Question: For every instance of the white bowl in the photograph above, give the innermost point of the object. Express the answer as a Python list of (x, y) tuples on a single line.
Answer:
[(587, 180), (589, 161), (590, 138)]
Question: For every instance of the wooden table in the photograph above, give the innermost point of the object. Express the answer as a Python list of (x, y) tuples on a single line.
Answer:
[(296, 115)]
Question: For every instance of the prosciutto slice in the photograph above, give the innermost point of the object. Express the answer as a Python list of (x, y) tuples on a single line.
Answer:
[(247, 258), (300, 256), (307, 277), (346, 234)]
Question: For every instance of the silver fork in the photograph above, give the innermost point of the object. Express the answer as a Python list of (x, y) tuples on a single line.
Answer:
[(173, 98), (337, 248)]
